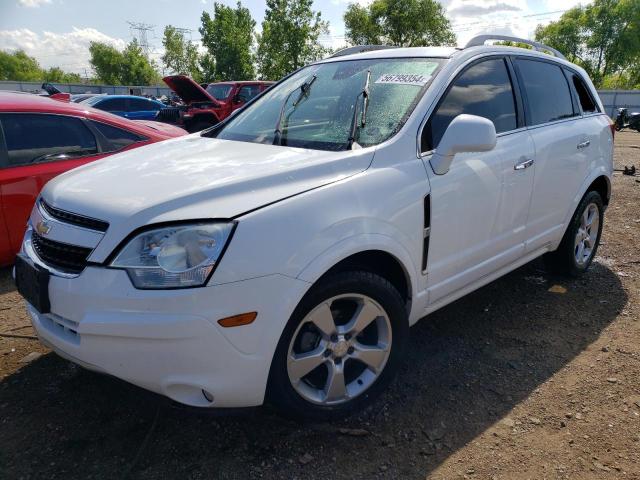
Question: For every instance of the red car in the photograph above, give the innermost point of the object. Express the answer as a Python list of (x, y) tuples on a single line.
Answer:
[(41, 138), (205, 107)]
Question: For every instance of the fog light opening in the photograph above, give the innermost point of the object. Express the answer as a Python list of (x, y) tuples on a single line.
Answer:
[(207, 396)]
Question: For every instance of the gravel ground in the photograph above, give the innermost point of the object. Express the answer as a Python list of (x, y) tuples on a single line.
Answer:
[(530, 377)]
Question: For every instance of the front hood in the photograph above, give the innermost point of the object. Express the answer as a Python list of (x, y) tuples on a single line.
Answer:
[(188, 90), (194, 178)]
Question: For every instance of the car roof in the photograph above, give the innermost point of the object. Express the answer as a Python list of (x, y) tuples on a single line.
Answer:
[(20, 102)]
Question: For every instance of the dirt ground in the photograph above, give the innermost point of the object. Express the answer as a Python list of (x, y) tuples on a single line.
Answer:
[(531, 377)]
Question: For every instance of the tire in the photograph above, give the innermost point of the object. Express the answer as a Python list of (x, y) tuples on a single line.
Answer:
[(329, 336), (574, 256)]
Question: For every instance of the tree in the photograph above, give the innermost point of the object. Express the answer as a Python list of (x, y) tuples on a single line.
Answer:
[(603, 37), (19, 66), (289, 37), (228, 38), (129, 67), (106, 61), (406, 23), (180, 55), (57, 75)]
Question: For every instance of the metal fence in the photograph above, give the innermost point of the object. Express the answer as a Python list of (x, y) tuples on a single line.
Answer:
[(36, 87), (613, 99)]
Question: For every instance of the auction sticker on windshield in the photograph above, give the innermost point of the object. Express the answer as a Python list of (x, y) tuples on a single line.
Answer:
[(407, 79)]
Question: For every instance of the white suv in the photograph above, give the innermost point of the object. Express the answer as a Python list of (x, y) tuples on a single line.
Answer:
[(283, 254)]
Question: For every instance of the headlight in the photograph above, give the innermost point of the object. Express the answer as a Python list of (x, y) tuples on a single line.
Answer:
[(174, 256)]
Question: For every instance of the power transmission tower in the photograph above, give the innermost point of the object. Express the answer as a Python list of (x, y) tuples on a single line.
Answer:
[(139, 31)]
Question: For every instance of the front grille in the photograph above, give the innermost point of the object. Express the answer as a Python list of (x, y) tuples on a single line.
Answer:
[(74, 218), (62, 256), (169, 115)]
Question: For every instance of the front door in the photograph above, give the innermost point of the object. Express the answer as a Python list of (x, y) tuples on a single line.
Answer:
[(479, 208)]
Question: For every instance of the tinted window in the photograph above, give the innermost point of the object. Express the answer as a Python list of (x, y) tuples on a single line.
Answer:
[(549, 98), (584, 96), (484, 89), (247, 92), (118, 137), (112, 105), (31, 138), (136, 104), (218, 91)]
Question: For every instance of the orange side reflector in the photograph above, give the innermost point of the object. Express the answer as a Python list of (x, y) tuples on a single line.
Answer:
[(237, 320)]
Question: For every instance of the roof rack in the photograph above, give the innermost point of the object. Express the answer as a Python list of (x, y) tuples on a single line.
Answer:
[(540, 47), (359, 49)]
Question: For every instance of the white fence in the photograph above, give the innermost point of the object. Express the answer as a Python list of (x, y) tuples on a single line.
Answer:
[(36, 87)]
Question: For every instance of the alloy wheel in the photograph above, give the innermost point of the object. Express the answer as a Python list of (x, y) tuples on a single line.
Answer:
[(587, 234)]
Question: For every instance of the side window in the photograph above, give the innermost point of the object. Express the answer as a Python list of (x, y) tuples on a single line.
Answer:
[(118, 137), (547, 91), (113, 105), (247, 92), (33, 138), (587, 102), (484, 89), (139, 104)]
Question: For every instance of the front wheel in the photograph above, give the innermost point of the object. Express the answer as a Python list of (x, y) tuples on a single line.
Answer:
[(581, 240), (341, 347)]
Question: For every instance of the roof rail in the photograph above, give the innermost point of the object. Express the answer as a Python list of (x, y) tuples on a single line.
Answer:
[(359, 49), (481, 39)]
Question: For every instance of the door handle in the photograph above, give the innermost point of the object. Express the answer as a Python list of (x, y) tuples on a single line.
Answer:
[(524, 164), (584, 144)]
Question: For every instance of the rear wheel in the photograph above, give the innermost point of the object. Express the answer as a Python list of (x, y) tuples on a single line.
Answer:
[(341, 347), (581, 240)]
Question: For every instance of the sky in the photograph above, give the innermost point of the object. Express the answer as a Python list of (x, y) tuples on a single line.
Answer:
[(58, 32)]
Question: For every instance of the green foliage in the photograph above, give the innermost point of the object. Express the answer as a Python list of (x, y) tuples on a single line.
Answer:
[(129, 67), (406, 23), (57, 75), (180, 55), (289, 37), (228, 38), (603, 37), (19, 66)]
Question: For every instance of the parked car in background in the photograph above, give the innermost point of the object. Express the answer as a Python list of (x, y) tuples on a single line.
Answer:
[(41, 138), (204, 108), (127, 106)]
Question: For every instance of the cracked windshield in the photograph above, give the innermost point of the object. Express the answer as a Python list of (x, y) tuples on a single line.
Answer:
[(335, 106)]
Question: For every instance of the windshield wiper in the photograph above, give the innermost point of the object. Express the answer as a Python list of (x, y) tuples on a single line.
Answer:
[(304, 93), (355, 125)]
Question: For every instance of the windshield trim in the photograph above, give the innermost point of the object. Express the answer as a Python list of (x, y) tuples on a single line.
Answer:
[(212, 132)]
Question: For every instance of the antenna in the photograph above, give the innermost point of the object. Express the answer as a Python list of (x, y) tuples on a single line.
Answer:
[(139, 31)]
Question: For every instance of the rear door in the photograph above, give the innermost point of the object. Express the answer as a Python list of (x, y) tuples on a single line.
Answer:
[(39, 147), (561, 156), (142, 109), (118, 106), (479, 207)]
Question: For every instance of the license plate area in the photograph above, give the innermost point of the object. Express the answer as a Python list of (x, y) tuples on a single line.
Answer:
[(32, 282)]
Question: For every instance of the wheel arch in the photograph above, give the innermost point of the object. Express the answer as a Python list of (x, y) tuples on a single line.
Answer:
[(374, 253)]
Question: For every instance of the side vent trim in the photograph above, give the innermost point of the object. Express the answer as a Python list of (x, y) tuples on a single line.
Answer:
[(426, 233)]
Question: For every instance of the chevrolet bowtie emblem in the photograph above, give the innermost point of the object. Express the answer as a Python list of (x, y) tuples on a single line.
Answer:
[(43, 228)]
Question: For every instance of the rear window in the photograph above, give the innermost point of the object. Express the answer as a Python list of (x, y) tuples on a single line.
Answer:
[(547, 91), (118, 137), (587, 102), (141, 104), (35, 138), (111, 104)]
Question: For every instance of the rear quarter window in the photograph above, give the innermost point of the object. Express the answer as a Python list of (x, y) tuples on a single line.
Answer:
[(546, 90), (117, 137), (587, 103)]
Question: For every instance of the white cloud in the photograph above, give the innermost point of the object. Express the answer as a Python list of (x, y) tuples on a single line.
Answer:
[(33, 3), (69, 51)]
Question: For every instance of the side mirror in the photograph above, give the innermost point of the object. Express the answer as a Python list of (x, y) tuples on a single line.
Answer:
[(465, 133)]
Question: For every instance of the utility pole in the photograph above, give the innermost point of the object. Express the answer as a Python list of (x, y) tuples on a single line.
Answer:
[(139, 31)]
